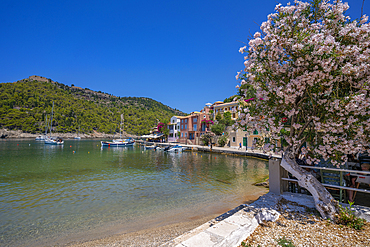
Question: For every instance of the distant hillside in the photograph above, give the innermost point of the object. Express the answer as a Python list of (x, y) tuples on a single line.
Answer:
[(24, 105)]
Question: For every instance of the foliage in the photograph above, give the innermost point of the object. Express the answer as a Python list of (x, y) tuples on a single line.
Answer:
[(285, 242), (232, 98), (226, 120), (25, 104), (311, 64), (222, 141), (347, 217), (166, 131), (161, 126), (218, 129), (207, 121), (206, 138), (244, 244), (218, 117)]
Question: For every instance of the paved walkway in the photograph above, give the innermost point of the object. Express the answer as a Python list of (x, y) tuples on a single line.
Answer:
[(231, 228), (226, 150)]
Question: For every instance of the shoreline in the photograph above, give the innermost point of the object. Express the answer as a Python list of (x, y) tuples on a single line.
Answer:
[(157, 235), (19, 134)]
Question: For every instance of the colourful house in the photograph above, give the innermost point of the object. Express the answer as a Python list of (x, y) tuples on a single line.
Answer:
[(193, 126), (174, 127)]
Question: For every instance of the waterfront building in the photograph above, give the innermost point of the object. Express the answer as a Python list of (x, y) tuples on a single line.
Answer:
[(220, 108), (193, 126), (174, 127), (236, 136)]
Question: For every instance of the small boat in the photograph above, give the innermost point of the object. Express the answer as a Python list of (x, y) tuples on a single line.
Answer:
[(50, 139), (175, 149), (118, 143), (154, 147), (40, 138), (54, 140)]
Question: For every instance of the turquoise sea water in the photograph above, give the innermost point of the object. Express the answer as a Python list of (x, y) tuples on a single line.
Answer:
[(55, 194)]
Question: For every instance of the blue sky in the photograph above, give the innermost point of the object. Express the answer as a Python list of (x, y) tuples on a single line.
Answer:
[(181, 53)]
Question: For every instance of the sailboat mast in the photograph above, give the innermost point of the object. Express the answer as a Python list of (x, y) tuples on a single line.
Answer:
[(51, 119), (46, 125), (120, 127)]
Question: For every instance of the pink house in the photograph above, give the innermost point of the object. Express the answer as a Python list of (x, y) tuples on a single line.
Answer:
[(193, 126)]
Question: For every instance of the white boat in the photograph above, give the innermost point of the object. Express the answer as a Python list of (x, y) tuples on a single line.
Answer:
[(119, 142), (151, 147), (175, 149), (53, 140), (40, 138)]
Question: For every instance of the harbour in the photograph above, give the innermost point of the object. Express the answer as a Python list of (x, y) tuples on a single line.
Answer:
[(54, 195)]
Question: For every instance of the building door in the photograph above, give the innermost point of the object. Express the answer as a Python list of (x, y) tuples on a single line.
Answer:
[(245, 141)]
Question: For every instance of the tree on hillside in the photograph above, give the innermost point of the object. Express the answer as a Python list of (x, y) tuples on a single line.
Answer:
[(311, 65)]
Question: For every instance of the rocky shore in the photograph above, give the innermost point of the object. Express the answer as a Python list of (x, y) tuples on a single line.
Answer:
[(17, 134)]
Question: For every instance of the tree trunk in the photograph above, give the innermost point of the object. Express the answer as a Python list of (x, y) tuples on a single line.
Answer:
[(324, 202)]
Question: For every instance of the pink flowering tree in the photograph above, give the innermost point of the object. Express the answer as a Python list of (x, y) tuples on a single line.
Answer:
[(310, 67)]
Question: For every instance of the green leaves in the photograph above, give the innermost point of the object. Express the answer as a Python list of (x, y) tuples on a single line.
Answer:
[(25, 104)]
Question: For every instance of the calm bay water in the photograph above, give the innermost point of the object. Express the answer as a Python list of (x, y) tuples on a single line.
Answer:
[(52, 195)]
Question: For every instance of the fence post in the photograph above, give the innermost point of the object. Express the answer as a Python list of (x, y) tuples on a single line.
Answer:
[(275, 175)]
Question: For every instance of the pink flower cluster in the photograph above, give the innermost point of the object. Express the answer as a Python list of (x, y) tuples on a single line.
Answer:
[(160, 126), (207, 121), (314, 68)]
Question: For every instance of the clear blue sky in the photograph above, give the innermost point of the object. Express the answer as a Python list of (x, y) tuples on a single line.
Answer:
[(181, 53)]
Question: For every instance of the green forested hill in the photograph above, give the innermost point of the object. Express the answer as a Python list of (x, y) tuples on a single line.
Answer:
[(24, 105)]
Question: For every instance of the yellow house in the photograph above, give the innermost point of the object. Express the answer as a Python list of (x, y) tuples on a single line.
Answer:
[(238, 136)]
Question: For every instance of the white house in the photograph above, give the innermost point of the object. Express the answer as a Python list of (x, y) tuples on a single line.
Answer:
[(174, 127)]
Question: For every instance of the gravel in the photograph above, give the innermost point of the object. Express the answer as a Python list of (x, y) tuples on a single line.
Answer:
[(307, 229)]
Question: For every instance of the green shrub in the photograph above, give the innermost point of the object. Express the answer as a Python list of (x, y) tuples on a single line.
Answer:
[(285, 242), (348, 218)]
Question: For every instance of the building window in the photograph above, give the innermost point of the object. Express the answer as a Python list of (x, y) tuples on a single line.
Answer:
[(204, 116), (186, 134), (255, 132), (233, 138), (182, 126), (182, 134), (186, 120), (186, 126), (195, 120), (195, 127), (233, 115)]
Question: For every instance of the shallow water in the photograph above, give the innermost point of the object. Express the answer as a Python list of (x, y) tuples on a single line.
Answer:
[(55, 194)]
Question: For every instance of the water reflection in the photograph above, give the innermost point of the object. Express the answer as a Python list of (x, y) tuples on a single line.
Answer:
[(46, 191)]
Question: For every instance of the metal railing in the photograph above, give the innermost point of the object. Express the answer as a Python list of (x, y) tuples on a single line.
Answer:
[(331, 185)]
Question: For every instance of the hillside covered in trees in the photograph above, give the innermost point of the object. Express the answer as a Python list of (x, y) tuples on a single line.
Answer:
[(25, 104)]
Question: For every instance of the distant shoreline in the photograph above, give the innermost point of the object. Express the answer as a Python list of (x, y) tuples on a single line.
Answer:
[(19, 134)]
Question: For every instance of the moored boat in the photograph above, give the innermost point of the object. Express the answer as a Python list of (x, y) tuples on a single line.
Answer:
[(51, 140), (54, 140), (175, 149), (40, 138), (118, 143)]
